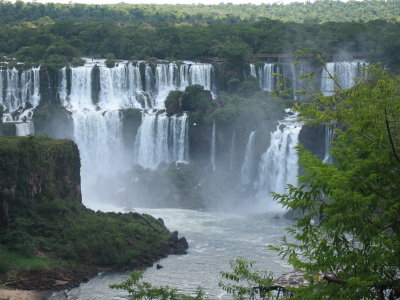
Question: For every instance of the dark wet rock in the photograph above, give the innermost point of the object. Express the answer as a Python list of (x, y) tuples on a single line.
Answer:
[(176, 245), (159, 266)]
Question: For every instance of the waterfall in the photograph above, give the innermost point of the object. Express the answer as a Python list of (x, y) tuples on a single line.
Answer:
[(166, 81), (62, 86), (24, 128), (97, 128), (119, 86), (279, 164), (18, 88), (266, 77), (247, 169), (253, 71), (161, 139), (148, 78), (232, 151), (328, 142), (327, 82), (99, 138), (81, 89), (212, 148), (345, 73), (200, 74)]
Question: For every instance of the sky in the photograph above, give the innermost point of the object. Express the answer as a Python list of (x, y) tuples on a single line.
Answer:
[(167, 1)]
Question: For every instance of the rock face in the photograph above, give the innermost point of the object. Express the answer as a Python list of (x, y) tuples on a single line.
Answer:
[(33, 170)]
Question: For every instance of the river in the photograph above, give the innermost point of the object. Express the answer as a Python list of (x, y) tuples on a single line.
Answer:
[(214, 239)]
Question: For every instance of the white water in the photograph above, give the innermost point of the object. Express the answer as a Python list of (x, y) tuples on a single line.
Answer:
[(340, 75), (328, 142), (247, 169), (161, 139), (169, 77), (345, 73), (214, 240), (98, 126), (17, 88), (253, 71), (24, 129), (264, 74), (328, 85), (279, 164), (166, 81), (212, 149), (120, 86)]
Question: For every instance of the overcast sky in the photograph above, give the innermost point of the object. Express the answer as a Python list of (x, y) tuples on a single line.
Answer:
[(168, 1)]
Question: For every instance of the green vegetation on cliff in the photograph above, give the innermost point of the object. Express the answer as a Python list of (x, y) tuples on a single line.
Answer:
[(41, 214)]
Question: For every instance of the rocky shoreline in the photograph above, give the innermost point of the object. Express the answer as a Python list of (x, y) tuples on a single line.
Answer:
[(44, 282)]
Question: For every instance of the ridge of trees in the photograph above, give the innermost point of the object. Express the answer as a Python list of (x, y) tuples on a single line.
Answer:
[(318, 11), (63, 42)]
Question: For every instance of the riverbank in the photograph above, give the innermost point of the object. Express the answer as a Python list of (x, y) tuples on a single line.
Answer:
[(6, 294)]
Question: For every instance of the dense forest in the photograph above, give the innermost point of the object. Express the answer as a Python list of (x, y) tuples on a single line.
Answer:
[(318, 11), (61, 42)]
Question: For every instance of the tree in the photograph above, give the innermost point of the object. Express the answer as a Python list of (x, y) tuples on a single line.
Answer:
[(347, 240), (244, 282)]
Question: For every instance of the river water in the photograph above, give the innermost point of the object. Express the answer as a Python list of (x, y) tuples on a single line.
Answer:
[(214, 239)]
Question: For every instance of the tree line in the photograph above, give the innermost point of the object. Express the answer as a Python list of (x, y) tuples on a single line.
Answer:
[(318, 11), (46, 41)]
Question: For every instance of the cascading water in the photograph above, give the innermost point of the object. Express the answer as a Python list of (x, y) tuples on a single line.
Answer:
[(196, 73), (327, 80), (328, 142), (247, 170), (97, 127), (161, 139), (119, 87), (166, 81), (24, 129), (264, 74), (253, 71), (266, 77), (169, 78), (279, 164), (345, 73), (340, 75), (96, 96), (17, 89)]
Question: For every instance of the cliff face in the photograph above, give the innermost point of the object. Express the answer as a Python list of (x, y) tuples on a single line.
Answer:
[(33, 170)]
